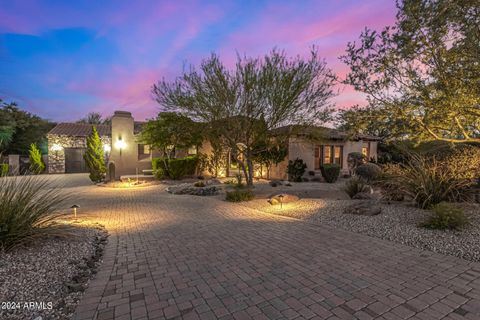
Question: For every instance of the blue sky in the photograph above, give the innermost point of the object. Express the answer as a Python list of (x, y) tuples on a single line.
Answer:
[(63, 59)]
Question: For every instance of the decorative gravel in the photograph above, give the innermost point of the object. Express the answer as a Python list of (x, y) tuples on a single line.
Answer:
[(45, 280), (397, 222)]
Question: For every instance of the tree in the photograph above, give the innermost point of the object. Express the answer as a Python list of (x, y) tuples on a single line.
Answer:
[(269, 154), (421, 76), (94, 118), (36, 162), (19, 129), (170, 132), (243, 105), (94, 157)]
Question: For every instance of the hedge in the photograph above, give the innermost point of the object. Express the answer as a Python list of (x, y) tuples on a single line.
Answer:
[(176, 168)]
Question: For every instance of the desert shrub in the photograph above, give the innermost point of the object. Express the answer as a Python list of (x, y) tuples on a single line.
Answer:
[(296, 169), (368, 171), (428, 181), (330, 172), (354, 186), (354, 159), (28, 209), (4, 169), (239, 195), (36, 162), (445, 216)]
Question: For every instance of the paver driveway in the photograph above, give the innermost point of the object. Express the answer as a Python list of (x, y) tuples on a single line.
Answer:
[(201, 258)]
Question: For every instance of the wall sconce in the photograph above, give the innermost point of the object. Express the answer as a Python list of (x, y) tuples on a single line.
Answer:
[(56, 147), (120, 144), (107, 148)]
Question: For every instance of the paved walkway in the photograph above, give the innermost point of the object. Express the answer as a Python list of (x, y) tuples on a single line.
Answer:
[(185, 257)]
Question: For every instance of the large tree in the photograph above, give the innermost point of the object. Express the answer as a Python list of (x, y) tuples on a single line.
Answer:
[(241, 105), (19, 129), (170, 132), (422, 75), (94, 118)]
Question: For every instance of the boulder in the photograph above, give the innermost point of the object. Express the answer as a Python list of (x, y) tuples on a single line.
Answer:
[(364, 196), (364, 208), (287, 198)]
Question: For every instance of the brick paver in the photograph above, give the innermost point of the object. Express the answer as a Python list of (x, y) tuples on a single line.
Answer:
[(185, 257)]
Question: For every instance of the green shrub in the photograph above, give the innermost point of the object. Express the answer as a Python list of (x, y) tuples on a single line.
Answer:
[(330, 172), (28, 207), (296, 169), (180, 167), (428, 181), (94, 157), (176, 168), (445, 216), (354, 186), (239, 195), (368, 171), (36, 162), (4, 169)]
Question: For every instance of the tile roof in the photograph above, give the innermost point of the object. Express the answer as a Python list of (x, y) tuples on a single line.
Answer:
[(323, 132), (80, 129)]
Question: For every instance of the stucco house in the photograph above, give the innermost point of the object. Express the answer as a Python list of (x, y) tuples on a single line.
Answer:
[(126, 156)]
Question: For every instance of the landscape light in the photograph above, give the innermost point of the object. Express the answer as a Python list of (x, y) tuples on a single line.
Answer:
[(107, 148), (74, 207), (281, 200)]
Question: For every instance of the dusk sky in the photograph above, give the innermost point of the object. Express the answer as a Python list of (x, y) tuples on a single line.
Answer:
[(62, 59)]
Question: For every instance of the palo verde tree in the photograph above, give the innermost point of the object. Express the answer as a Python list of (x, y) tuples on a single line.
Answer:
[(245, 103), (422, 75), (94, 157)]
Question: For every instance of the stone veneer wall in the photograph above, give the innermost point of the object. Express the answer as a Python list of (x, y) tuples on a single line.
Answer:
[(56, 159)]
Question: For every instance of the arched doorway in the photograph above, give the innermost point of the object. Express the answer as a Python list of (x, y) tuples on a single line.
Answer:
[(111, 171)]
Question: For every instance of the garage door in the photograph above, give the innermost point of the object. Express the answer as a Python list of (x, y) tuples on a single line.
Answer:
[(74, 162)]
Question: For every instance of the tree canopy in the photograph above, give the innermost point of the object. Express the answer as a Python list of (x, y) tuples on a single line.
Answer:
[(19, 129), (94, 118), (241, 105), (422, 75), (171, 131)]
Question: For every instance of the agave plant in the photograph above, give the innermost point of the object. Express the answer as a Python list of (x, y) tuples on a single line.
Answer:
[(29, 209)]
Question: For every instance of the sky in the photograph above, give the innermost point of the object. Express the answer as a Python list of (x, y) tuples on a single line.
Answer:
[(63, 59)]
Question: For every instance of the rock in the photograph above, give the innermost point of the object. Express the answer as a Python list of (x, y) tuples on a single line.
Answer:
[(287, 198), (74, 287), (365, 208), (363, 196), (194, 191), (275, 183)]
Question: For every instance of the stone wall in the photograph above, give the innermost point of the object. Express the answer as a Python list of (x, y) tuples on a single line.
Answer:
[(56, 158)]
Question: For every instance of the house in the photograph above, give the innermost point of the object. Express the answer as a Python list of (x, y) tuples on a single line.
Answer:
[(126, 156)]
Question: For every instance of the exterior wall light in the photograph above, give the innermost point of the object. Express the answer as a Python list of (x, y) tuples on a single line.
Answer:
[(107, 148), (56, 147), (120, 144)]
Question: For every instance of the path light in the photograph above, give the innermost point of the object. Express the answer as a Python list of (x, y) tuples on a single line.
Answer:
[(74, 207), (281, 200)]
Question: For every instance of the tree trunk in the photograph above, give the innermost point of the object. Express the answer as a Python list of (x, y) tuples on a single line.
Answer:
[(249, 175)]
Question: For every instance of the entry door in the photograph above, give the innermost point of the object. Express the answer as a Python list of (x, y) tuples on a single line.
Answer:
[(74, 161)]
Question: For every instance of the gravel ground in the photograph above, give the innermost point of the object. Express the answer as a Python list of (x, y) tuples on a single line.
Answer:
[(46, 279), (397, 222)]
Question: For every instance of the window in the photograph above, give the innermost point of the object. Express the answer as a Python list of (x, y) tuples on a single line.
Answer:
[(143, 149), (192, 150), (337, 158), (317, 157), (327, 154), (365, 151)]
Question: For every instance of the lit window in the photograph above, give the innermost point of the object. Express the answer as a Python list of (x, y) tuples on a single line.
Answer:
[(365, 151), (327, 154), (192, 150), (146, 149), (338, 155)]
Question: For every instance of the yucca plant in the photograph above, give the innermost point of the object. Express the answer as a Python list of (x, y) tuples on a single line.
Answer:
[(29, 209)]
